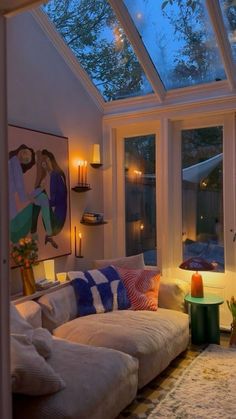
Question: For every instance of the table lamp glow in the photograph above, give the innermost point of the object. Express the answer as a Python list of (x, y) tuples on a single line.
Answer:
[(196, 264)]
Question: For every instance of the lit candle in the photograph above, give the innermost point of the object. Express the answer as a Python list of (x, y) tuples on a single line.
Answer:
[(79, 173), (96, 154), (75, 240), (82, 173), (85, 172), (80, 244)]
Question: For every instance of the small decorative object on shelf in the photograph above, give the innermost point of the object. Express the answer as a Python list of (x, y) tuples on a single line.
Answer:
[(79, 254), (232, 307), (96, 161), (92, 218), (83, 185), (44, 284), (25, 253)]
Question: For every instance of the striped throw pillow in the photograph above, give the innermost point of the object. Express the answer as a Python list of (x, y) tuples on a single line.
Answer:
[(142, 287), (99, 291)]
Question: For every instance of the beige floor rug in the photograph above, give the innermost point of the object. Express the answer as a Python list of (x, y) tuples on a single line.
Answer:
[(206, 389)]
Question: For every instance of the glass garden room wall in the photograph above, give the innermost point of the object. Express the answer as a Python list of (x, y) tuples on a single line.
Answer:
[(195, 195)]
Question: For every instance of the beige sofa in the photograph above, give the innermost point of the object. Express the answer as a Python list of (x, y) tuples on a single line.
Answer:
[(104, 358)]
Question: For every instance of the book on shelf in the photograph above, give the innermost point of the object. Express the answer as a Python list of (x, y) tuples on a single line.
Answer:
[(44, 284), (92, 217)]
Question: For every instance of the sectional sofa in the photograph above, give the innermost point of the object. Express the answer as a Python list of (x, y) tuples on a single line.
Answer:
[(102, 358)]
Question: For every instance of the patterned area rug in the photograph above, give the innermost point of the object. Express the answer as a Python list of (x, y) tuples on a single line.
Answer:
[(206, 389)]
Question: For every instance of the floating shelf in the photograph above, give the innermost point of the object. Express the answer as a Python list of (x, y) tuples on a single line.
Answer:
[(93, 224), (81, 188), (96, 165)]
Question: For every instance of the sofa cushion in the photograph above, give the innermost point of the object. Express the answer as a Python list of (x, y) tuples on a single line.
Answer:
[(39, 337), (172, 293), (153, 337), (99, 384), (30, 373), (31, 311), (130, 262), (142, 287), (99, 291), (58, 307)]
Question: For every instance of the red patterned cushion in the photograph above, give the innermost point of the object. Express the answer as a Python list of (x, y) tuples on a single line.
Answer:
[(142, 287)]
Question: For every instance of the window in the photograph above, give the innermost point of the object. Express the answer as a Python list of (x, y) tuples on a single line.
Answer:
[(202, 194), (140, 197)]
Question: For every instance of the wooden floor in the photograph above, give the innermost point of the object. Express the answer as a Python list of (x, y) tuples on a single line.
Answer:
[(149, 396)]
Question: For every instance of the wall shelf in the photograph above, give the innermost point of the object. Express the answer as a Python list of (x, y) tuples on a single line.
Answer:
[(81, 188)]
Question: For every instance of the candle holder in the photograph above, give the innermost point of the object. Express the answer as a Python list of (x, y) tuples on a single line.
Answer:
[(79, 254)]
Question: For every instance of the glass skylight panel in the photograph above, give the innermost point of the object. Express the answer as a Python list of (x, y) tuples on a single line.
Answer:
[(91, 30), (179, 39), (228, 8)]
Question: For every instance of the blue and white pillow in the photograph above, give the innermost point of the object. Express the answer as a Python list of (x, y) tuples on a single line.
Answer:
[(99, 291)]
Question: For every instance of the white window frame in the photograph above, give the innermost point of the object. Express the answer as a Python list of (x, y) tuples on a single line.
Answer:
[(114, 179)]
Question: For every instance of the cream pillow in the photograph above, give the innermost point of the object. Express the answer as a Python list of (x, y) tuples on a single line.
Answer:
[(40, 338), (129, 262), (31, 312), (30, 373), (172, 293)]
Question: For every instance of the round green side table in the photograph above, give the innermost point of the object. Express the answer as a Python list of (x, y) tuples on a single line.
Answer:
[(205, 319)]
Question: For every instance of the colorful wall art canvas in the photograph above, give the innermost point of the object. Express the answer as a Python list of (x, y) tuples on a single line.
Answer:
[(39, 190)]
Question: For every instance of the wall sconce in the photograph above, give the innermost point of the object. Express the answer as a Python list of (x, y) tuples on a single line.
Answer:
[(79, 254), (96, 160)]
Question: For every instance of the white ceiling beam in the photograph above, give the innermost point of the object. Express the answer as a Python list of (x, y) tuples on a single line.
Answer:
[(139, 48), (9, 8), (217, 21)]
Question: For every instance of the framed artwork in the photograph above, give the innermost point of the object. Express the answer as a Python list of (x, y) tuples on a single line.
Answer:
[(39, 201)]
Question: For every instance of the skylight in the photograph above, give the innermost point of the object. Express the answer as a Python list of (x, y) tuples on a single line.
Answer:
[(173, 43), (229, 14), (179, 39), (91, 30)]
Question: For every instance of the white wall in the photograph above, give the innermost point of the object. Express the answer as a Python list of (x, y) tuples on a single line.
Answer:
[(44, 94)]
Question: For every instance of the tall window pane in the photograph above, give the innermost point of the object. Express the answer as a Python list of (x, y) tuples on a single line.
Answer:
[(202, 194), (140, 197)]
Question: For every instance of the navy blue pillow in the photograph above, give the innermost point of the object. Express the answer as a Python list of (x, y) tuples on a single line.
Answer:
[(99, 291)]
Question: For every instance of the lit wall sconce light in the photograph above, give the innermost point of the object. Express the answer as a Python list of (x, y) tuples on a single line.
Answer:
[(96, 159), (78, 254)]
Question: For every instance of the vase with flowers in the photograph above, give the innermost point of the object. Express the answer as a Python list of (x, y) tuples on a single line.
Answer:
[(25, 253), (232, 307)]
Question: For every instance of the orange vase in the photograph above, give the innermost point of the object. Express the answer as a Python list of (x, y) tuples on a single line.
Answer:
[(27, 276)]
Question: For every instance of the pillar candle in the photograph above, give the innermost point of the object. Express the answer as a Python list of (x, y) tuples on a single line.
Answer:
[(96, 154)]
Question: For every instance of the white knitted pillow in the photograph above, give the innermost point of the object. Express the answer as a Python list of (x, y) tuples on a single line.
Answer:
[(30, 373), (41, 338)]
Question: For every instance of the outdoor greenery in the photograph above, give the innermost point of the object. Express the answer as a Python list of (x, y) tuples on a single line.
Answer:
[(92, 31), (112, 66)]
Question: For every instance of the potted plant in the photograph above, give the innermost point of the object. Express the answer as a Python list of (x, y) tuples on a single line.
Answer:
[(232, 307)]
